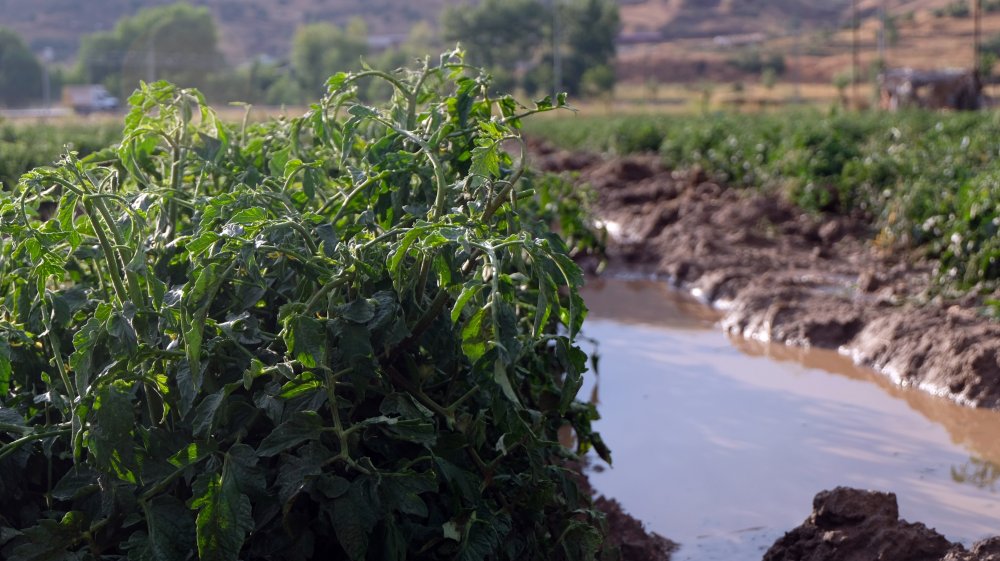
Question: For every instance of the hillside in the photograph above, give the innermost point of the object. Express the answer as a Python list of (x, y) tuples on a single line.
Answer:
[(702, 38), (673, 40), (248, 27)]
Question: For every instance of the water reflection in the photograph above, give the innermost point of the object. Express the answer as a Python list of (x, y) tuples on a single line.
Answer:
[(974, 429), (713, 436), (644, 302), (978, 472)]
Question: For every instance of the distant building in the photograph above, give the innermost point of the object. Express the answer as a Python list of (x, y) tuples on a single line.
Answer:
[(741, 40), (948, 88), (640, 37)]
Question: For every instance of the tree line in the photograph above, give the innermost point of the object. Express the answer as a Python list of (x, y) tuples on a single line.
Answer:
[(530, 45)]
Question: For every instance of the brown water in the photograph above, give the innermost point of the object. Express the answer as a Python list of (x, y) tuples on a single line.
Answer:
[(721, 443)]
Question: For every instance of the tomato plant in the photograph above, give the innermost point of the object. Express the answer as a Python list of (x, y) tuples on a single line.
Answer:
[(334, 336)]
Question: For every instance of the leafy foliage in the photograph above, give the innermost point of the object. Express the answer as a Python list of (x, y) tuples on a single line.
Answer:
[(336, 336)]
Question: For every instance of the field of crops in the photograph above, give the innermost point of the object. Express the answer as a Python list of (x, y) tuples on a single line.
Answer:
[(927, 180), (25, 146)]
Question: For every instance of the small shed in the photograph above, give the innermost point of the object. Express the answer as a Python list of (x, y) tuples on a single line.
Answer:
[(947, 88)]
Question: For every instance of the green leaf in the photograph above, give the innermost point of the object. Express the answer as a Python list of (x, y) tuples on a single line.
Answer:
[(224, 517), (249, 216), (5, 368), (306, 340), (10, 416), (78, 482), (396, 257), (469, 291), (359, 110), (332, 486), (120, 327), (302, 426), (358, 311), (485, 162), (475, 334), (111, 431), (402, 492), (481, 540), (198, 245), (249, 475), (353, 520), (300, 468), (279, 162), (503, 380), (191, 454), (171, 530), (51, 539), (205, 413), (84, 342), (336, 81)]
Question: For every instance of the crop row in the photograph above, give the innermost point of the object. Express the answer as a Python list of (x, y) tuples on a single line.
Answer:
[(24, 147), (924, 180)]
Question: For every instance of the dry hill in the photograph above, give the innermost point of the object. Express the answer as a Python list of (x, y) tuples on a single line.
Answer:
[(673, 40), (248, 27)]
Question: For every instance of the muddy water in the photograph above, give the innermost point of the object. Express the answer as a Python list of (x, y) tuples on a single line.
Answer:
[(721, 443)]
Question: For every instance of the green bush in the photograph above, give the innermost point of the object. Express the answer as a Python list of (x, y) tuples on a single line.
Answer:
[(343, 335)]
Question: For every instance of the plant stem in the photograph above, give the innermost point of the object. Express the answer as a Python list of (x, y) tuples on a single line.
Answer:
[(11, 447)]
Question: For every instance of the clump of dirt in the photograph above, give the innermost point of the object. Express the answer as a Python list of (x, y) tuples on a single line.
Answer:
[(854, 525), (782, 275)]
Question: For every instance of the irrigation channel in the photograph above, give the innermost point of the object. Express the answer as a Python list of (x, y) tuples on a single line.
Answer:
[(721, 443)]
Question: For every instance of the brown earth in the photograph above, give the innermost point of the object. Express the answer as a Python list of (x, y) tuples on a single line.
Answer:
[(781, 275), (854, 525)]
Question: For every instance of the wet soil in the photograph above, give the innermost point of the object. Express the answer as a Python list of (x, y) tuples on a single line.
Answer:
[(855, 525), (781, 275)]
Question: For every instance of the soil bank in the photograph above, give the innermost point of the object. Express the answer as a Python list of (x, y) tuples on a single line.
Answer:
[(778, 274)]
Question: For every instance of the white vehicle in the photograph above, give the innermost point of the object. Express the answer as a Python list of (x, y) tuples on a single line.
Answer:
[(89, 99)]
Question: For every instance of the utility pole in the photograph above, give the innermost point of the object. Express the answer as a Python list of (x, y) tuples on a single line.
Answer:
[(48, 55), (556, 50), (977, 15), (797, 68), (151, 62), (881, 32), (855, 62)]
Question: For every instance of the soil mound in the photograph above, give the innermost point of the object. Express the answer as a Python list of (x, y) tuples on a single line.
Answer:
[(854, 525), (782, 275)]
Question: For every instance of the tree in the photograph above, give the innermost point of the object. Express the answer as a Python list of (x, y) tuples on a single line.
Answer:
[(420, 42), (514, 40), (177, 42), (20, 71), (322, 49), (497, 34), (589, 28), (769, 78)]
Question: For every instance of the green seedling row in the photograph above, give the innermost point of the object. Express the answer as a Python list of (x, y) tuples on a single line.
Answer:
[(923, 180)]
